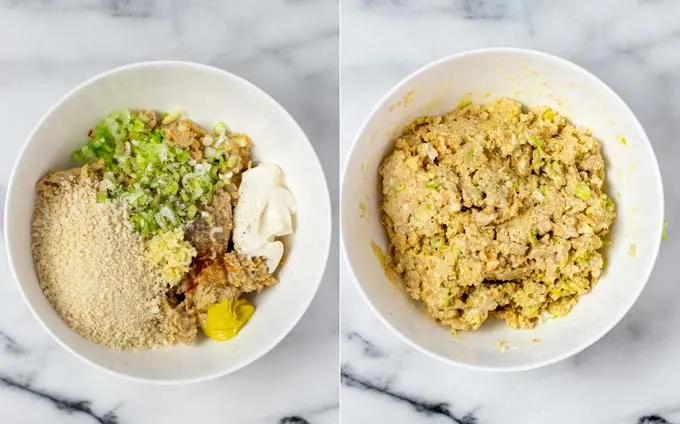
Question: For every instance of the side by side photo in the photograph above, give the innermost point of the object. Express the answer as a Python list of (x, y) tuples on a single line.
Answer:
[(339, 212)]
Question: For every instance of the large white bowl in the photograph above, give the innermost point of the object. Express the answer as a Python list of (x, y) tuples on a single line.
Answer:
[(208, 94), (633, 179)]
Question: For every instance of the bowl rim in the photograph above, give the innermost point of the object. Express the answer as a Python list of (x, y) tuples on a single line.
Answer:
[(616, 318), (10, 194)]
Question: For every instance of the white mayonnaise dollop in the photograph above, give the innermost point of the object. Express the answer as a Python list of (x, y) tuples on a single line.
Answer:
[(263, 212)]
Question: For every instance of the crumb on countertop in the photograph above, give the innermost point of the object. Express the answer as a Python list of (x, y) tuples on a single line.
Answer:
[(362, 210)]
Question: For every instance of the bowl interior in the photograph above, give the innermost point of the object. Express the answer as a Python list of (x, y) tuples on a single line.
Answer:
[(533, 79), (208, 95)]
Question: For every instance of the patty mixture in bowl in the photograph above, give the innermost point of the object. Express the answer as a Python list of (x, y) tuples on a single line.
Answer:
[(495, 211), (165, 228)]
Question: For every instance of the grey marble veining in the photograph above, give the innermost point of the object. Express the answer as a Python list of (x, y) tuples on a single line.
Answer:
[(630, 376), (289, 49)]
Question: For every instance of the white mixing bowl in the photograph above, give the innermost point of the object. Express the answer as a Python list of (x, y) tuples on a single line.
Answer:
[(208, 95), (534, 79)]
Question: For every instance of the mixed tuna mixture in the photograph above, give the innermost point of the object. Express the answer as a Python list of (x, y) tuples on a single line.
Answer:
[(495, 211), (166, 228)]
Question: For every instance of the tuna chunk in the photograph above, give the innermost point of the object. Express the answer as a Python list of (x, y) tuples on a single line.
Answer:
[(210, 231)]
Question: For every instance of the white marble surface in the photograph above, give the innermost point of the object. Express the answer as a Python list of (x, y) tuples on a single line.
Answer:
[(290, 49), (630, 376)]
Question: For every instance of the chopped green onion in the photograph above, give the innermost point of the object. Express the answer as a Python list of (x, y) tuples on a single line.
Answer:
[(191, 211), (470, 154), (79, 156), (437, 242), (533, 237), (241, 141), (220, 128), (213, 172), (464, 101), (162, 185), (582, 190), (432, 184), (447, 299), (609, 204), (182, 155), (171, 117), (536, 142), (664, 236), (231, 162), (623, 140)]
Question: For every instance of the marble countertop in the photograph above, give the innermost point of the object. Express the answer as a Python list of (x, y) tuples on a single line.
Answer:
[(632, 375), (47, 48)]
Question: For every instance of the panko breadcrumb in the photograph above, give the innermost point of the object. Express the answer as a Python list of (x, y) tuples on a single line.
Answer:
[(92, 269)]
